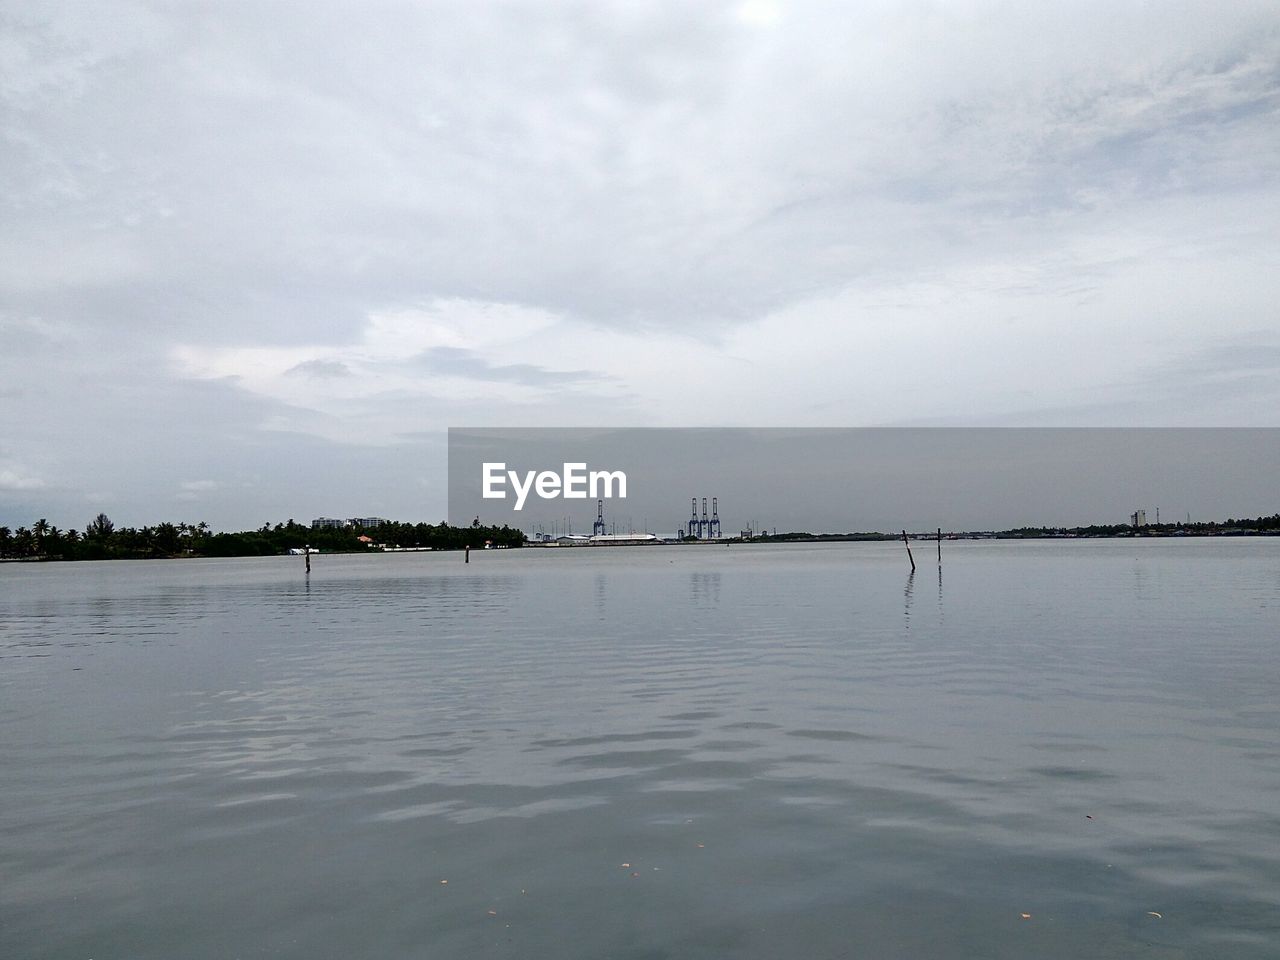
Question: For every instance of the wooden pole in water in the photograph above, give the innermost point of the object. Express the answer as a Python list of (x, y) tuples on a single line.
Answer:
[(909, 557), (466, 553), (307, 554), (939, 546)]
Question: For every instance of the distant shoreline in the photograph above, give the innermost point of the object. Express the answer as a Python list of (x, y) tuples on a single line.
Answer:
[(780, 539), (101, 540), (1072, 534)]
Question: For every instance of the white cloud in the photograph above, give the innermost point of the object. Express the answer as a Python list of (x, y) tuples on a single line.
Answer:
[(450, 353), (759, 13), (17, 478), (191, 491)]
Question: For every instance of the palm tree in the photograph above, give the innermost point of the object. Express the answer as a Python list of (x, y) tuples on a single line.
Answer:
[(54, 544), (101, 527), (24, 543), (165, 538)]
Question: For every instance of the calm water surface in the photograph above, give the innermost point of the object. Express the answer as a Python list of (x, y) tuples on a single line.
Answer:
[(697, 752)]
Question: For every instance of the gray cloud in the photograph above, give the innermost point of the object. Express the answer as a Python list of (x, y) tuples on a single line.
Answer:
[(670, 165), (456, 362), (320, 369), (1231, 358)]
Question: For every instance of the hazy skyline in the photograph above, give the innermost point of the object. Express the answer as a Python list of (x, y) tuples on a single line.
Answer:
[(256, 258)]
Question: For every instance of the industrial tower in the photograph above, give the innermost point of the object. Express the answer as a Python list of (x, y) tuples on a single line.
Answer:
[(597, 528), (704, 527)]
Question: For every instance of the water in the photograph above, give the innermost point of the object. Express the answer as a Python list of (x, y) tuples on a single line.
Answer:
[(698, 752)]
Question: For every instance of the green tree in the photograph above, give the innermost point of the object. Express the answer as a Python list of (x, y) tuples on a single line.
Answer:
[(165, 538), (24, 543), (41, 530), (51, 543), (101, 528), (64, 543)]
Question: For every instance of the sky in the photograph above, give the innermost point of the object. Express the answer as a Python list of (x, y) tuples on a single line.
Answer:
[(256, 258)]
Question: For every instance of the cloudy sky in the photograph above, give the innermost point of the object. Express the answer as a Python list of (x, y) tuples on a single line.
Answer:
[(256, 258)]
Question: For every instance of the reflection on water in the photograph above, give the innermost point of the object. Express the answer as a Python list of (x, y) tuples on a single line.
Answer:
[(602, 591), (940, 612), (704, 587), (641, 753)]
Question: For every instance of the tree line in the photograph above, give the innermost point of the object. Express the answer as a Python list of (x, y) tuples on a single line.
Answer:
[(1209, 528), (103, 540)]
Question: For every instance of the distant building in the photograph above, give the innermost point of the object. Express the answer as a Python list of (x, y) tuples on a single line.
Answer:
[(1139, 518), (622, 539), (605, 539), (355, 523)]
